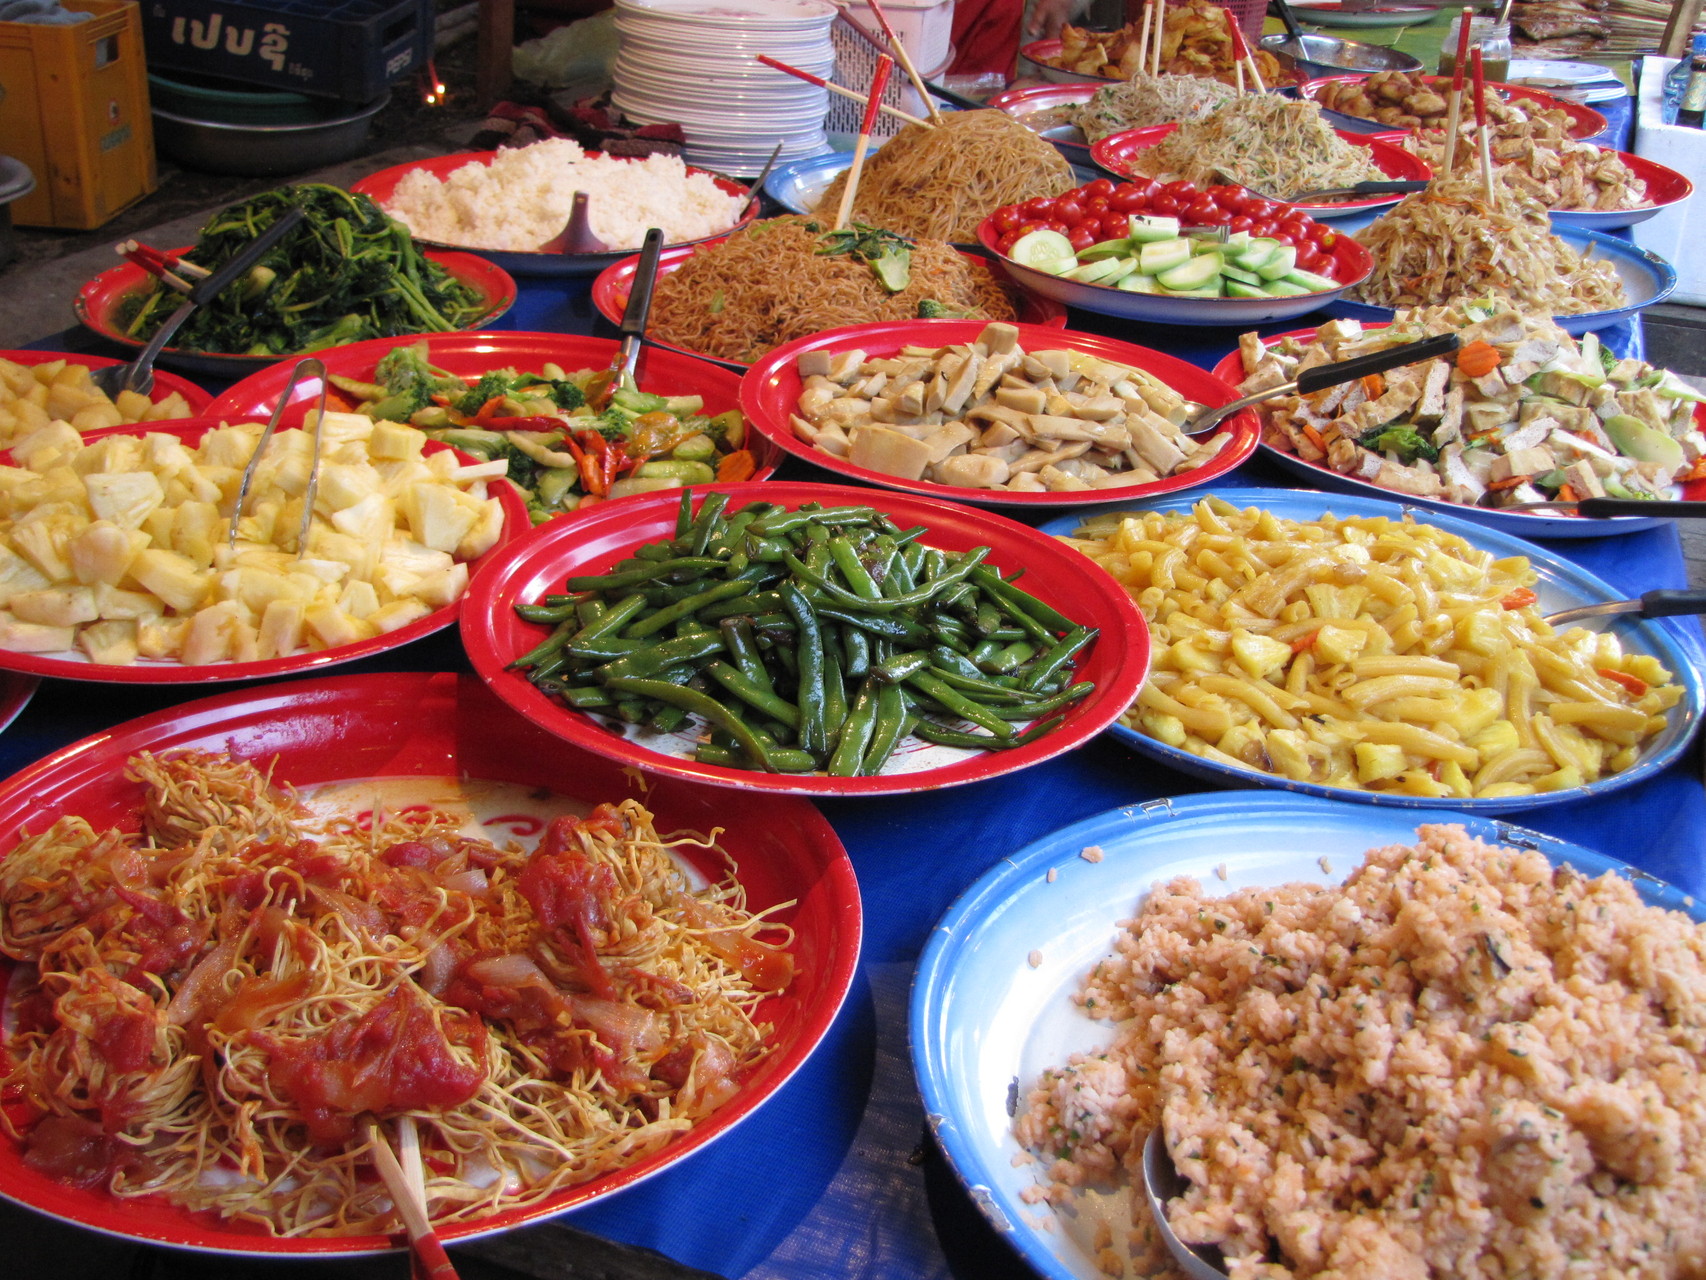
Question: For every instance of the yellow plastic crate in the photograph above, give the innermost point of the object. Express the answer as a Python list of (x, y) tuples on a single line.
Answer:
[(74, 108)]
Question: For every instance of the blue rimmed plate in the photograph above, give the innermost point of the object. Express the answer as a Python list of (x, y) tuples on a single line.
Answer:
[(984, 1022), (1560, 585)]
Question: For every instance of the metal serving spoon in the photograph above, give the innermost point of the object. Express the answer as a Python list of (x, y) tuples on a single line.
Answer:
[(1161, 1183), (1385, 187), (1331, 375), (576, 235), (1665, 602), (138, 375)]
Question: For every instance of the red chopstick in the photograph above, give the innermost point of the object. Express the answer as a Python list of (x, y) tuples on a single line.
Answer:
[(821, 83), (905, 60), (1454, 116), (879, 82)]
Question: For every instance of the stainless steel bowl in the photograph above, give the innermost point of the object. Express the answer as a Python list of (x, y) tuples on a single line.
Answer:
[(1330, 56), (262, 150)]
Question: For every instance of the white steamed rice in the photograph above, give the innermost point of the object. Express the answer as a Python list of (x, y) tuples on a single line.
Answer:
[(523, 198)]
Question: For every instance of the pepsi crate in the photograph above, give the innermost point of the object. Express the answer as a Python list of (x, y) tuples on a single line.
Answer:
[(347, 49)]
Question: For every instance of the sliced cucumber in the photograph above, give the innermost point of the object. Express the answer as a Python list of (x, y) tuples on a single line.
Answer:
[(1163, 255), (1198, 273), (1210, 291), (1309, 280), (1137, 282), (1238, 289), (1104, 271), (1146, 230), (1257, 251), (1044, 250), (1106, 249), (1286, 289), (1242, 276), (1282, 263)]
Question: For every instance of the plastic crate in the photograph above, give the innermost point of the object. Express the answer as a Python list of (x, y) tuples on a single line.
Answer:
[(346, 49), (74, 109)]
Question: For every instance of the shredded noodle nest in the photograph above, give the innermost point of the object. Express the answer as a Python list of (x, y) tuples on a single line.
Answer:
[(1448, 244)]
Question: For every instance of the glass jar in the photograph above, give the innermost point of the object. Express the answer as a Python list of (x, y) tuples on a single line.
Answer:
[(1493, 37)]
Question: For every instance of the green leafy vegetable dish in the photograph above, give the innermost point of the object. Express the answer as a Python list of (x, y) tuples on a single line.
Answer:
[(348, 272), (565, 438)]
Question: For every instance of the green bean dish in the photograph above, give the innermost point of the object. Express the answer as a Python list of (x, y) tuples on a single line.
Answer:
[(812, 640)]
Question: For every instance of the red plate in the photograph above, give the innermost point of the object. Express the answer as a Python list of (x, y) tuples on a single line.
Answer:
[(1665, 187), (771, 389), (164, 383), (1117, 661), (73, 666), (468, 355), (610, 295), (1024, 103), (444, 725), (1525, 524), (1118, 153), (1585, 122), (97, 303), (382, 186)]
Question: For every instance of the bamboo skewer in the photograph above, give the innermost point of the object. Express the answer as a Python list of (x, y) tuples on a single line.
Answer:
[(905, 60), (1485, 143), (894, 112), (879, 82), (1454, 114)]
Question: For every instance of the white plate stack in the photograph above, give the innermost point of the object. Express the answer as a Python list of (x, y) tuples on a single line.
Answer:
[(695, 62)]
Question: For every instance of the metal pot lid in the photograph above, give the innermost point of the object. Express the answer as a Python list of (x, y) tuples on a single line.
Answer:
[(16, 180)]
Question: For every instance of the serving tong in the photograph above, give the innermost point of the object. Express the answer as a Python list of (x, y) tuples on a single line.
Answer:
[(1664, 602), (1382, 187), (315, 367), (1605, 508)]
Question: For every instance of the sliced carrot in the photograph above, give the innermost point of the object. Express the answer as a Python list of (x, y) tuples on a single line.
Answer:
[(1478, 359), (1304, 643), (1696, 472), (1509, 482), (1567, 493), (1374, 386), (1314, 437), (1634, 684), (1521, 598), (738, 465)]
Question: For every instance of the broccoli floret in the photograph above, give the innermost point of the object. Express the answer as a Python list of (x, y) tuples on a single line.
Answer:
[(566, 395), (522, 469), (1408, 443), (930, 309), (475, 398), (612, 424)]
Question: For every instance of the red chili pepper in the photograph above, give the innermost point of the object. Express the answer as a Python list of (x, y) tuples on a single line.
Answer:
[(538, 422), (600, 461), (1636, 686)]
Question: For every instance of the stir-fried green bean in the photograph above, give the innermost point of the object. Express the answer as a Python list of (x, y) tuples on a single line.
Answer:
[(808, 640)]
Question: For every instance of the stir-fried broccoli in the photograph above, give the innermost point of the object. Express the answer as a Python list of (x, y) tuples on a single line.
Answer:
[(930, 309), (1405, 441), (489, 386), (566, 394)]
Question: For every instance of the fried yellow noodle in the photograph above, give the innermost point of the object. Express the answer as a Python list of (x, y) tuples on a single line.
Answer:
[(219, 1002), (1448, 244), (941, 182), (1263, 141), (767, 284)]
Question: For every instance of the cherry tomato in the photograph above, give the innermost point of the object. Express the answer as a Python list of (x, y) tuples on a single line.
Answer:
[(1298, 228), (1203, 211), (1102, 187), (1165, 206), (1006, 218), (1259, 209), (1223, 194), (1026, 227), (1181, 190), (1283, 238), (1239, 223), (1038, 207), (1004, 245), (1128, 200), (1060, 228), (1309, 257), (1097, 206), (1083, 235), (1115, 226), (1324, 237), (1069, 211)]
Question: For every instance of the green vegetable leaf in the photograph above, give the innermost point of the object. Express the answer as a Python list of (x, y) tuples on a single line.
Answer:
[(1408, 443)]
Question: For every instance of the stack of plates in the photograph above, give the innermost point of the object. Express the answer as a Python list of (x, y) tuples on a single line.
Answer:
[(695, 62), (1572, 81)]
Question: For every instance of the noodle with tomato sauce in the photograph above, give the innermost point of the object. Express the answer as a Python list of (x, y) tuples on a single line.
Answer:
[(217, 1003)]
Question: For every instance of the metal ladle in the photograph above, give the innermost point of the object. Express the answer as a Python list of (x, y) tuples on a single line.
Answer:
[(1323, 376), (576, 236), (138, 375), (1161, 1183)]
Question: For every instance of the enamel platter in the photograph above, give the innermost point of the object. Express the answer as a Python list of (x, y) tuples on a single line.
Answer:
[(985, 1022), (1559, 585)]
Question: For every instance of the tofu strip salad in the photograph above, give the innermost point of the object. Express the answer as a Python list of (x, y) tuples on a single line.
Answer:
[(1522, 412)]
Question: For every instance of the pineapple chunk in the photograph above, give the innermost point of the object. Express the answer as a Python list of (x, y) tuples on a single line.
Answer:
[(394, 440), (444, 587), (334, 627), (17, 636), (213, 632), (53, 442), (117, 605), (1376, 761), (96, 416), (44, 537), (231, 446), (56, 606), (111, 643), (358, 599), (398, 614), (436, 518), (125, 499), (179, 582), (160, 637), (485, 533), (371, 519), (18, 574), (343, 485), (1339, 644), (280, 632), (196, 529), (1259, 655)]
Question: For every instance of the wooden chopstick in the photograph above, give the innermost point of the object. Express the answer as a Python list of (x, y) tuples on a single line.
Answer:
[(821, 83), (428, 1251), (1454, 114), (1484, 141), (1242, 56), (879, 82), (905, 60)]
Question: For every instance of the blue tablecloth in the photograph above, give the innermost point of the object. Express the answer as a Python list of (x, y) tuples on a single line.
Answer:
[(835, 1177)]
